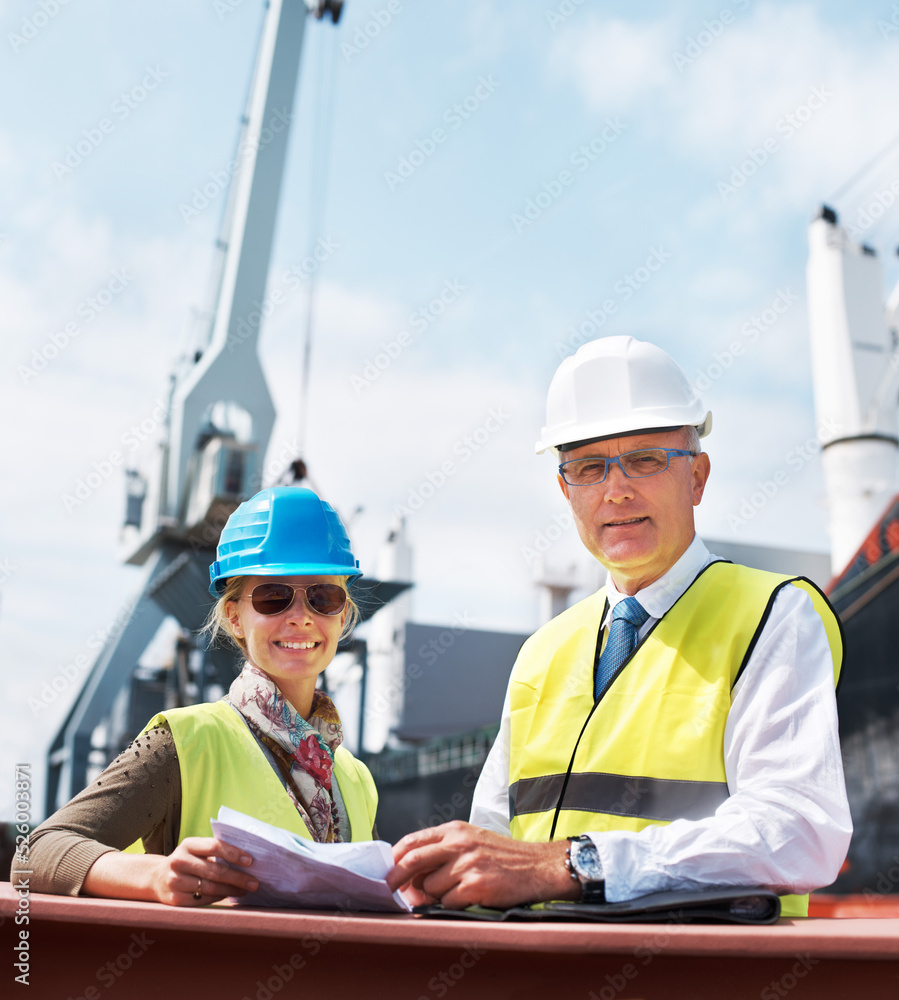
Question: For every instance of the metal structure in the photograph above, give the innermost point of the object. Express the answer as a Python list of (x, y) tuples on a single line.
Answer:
[(385, 675), (220, 415), (855, 363), (220, 950), (866, 597), (855, 355)]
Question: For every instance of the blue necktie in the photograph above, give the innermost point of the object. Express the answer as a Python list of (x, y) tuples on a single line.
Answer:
[(627, 617)]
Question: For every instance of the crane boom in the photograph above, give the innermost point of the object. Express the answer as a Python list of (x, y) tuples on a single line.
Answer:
[(206, 467)]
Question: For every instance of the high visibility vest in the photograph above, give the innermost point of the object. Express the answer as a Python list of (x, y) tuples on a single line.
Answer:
[(222, 764), (651, 750)]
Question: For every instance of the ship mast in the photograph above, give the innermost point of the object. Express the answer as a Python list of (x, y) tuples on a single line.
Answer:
[(855, 365)]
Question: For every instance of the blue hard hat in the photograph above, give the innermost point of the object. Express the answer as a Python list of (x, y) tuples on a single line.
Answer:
[(282, 531)]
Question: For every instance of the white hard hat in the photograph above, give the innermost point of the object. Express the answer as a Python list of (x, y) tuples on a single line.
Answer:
[(618, 385)]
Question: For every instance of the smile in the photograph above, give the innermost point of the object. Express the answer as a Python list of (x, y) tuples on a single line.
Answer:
[(296, 645), (618, 524)]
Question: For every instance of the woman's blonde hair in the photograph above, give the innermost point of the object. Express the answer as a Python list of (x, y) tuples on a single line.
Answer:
[(218, 626)]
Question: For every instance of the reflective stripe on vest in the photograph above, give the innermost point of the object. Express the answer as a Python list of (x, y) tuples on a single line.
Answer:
[(651, 750), (221, 764)]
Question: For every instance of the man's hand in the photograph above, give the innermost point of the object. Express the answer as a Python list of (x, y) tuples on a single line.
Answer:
[(458, 864)]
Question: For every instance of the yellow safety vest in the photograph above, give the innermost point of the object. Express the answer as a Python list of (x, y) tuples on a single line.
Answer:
[(221, 764), (652, 749)]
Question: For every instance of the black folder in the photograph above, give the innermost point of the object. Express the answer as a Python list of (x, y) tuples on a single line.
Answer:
[(727, 906)]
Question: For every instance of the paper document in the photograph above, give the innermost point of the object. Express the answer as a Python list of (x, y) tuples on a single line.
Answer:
[(296, 872)]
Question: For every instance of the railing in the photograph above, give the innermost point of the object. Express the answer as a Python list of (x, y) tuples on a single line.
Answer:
[(449, 753)]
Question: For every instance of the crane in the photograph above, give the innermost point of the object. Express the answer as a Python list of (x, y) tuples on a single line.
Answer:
[(220, 412)]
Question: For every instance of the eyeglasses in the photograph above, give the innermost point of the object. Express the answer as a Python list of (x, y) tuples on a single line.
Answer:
[(274, 598), (634, 464)]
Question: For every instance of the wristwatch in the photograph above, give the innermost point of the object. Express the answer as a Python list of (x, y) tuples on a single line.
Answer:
[(584, 864)]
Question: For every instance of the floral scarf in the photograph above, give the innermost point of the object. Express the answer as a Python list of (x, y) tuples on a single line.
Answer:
[(304, 751)]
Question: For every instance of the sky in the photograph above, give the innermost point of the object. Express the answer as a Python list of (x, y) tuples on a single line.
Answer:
[(505, 180)]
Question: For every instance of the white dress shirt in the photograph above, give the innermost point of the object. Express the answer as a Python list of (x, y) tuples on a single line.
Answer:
[(786, 824)]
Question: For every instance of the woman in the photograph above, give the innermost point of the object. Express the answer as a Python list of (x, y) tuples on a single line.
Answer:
[(271, 748)]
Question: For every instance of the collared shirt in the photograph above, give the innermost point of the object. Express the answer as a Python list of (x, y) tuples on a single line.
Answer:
[(786, 824)]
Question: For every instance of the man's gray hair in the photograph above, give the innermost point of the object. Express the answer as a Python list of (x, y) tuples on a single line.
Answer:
[(691, 439)]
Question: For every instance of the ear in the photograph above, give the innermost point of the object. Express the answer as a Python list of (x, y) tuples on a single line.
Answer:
[(232, 612), (563, 486), (699, 472)]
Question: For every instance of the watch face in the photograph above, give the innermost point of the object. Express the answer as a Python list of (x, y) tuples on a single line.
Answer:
[(585, 861)]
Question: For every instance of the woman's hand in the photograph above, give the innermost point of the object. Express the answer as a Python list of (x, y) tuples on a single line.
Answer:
[(194, 874)]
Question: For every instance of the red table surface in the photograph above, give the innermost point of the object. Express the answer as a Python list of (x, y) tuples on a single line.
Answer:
[(92, 948)]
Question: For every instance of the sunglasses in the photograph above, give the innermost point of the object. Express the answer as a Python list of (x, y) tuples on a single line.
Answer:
[(322, 598)]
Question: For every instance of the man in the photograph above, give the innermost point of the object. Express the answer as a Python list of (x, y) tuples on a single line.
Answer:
[(680, 725)]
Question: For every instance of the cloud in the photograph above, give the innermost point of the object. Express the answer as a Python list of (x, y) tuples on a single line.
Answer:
[(615, 63), (69, 400), (820, 91)]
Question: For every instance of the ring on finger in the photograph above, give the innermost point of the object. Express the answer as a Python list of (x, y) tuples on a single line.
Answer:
[(198, 892)]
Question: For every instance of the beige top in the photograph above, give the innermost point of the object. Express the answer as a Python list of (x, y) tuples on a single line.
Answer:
[(138, 797)]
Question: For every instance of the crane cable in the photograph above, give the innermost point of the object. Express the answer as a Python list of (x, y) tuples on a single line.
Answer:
[(321, 155), (856, 177)]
